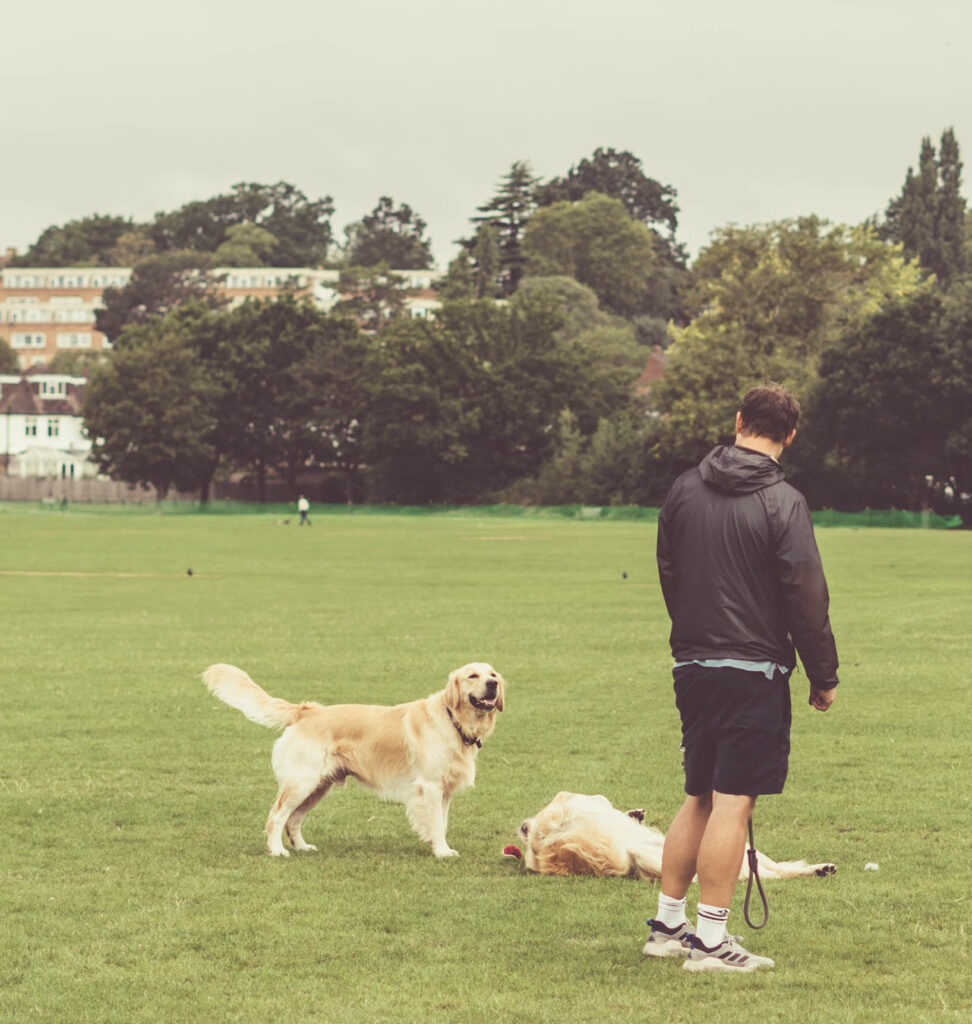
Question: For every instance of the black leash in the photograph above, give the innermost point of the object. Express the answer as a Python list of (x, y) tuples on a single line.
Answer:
[(754, 874)]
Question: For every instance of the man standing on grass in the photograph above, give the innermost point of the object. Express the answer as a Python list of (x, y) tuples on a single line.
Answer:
[(743, 583), (303, 507)]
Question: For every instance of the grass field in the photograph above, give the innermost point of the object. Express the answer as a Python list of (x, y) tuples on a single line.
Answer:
[(134, 886)]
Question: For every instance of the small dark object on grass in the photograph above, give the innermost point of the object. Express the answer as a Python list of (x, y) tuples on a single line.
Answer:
[(188, 572)]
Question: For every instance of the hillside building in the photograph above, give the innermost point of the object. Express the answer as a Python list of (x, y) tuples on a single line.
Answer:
[(46, 310)]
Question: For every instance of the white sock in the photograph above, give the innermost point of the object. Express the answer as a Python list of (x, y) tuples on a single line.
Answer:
[(712, 925), (671, 913)]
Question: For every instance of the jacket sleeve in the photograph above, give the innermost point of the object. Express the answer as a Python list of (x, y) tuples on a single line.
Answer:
[(663, 555), (805, 596)]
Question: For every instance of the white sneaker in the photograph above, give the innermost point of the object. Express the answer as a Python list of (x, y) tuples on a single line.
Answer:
[(728, 955), (665, 941)]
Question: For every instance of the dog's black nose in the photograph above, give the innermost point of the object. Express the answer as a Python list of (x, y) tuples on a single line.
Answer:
[(491, 685)]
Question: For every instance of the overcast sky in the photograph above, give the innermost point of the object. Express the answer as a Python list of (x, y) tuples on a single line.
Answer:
[(754, 110)]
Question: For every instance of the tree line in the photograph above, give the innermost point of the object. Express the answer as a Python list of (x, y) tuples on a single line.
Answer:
[(524, 386)]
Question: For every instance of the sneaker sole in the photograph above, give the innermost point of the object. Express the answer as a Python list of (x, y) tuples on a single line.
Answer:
[(711, 963)]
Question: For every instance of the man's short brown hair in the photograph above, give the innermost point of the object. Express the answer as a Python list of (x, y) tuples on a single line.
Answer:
[(769, 411)]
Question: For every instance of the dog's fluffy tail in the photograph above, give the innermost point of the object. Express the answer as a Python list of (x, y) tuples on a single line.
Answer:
[(233, 686)]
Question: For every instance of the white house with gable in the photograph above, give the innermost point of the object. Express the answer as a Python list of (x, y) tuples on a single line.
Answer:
[(41, 427)]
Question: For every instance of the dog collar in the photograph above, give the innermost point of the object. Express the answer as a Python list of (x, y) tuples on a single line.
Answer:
[(467, 740)]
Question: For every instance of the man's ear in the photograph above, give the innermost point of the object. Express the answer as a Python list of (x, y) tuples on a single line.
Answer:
[(789, 439)]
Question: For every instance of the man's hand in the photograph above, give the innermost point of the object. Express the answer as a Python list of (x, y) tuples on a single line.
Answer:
[(822, 699)]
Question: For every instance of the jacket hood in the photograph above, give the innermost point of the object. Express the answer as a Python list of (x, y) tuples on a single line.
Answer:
[(734, 470)]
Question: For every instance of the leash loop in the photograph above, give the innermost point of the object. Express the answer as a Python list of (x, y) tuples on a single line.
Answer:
[(754, 875)]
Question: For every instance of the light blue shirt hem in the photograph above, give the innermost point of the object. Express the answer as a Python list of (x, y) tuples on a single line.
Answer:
[(767, 668)]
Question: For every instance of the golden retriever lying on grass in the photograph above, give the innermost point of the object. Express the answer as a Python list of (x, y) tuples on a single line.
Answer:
[(420, 753), (584, 835)]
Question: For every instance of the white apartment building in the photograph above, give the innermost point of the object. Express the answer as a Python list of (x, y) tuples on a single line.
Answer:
[(45, 310)]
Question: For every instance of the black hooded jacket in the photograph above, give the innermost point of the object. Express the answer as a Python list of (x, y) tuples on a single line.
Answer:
[(739, 567)]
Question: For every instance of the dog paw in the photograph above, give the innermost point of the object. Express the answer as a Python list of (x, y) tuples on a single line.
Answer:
[(279, 853), (306, 848), (447, 852), (826, 869)]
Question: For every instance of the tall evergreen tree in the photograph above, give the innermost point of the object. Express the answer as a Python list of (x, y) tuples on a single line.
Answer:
[(928, 217), (951, 204), (507, 213), (486, 256)]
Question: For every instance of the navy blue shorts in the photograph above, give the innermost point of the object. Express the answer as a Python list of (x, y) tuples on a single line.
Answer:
[(735, 729)]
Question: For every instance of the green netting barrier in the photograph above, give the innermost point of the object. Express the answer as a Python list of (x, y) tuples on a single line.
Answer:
[(895, 518), (887, 518)]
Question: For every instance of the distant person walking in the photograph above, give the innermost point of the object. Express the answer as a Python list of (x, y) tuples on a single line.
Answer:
[(743, 583), (303, 507)]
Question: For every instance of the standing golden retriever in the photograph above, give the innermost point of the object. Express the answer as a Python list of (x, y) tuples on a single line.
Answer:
[(585, 835), (420, 753)]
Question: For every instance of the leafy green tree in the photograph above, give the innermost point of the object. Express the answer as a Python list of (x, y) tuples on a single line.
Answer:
[(424, 417), (77, 364), (371, 295), (87, 242), (246, 245), (131, 248), (460, 279), (468, 403), (158, 285), (620, 176), (149, 409), (769, 299), (262, 351), (577, 303), (894, 401), (928, 217), (601, 347), (301, 227), (330, 396), (598, 244), (389, 235), (9, 363), (507, 213), (612, 466)]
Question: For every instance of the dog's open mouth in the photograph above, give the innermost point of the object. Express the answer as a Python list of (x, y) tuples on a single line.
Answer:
[(482, 703)]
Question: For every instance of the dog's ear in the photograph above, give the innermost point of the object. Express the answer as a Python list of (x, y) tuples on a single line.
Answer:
[(453, 694), (500, 692)]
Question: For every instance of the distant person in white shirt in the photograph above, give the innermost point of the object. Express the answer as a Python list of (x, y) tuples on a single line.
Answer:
[(303, 507)]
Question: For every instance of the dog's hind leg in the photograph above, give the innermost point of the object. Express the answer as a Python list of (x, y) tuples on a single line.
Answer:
[(292, 828), (289, 798), (301, 770)]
